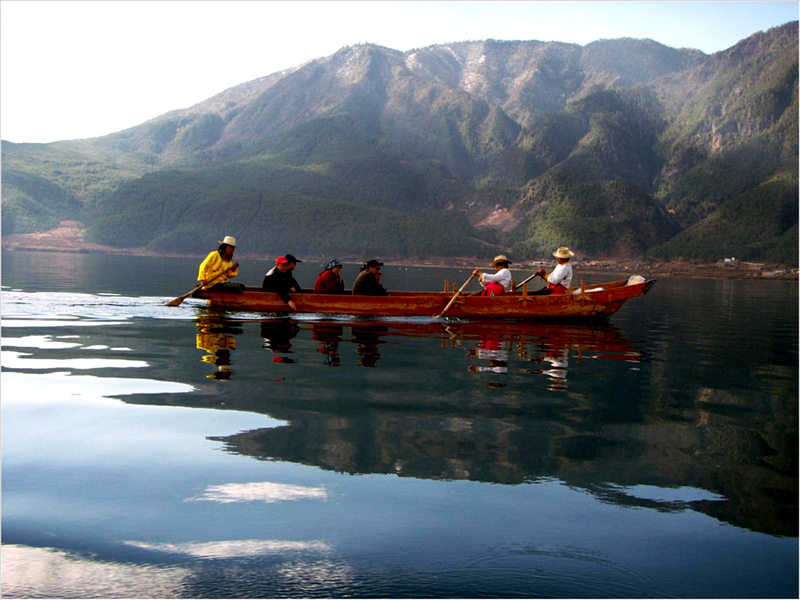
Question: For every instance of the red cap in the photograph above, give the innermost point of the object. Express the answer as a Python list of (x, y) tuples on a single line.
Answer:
[(281, 260)]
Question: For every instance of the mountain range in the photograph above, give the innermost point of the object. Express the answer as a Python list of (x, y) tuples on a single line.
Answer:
[(619, 149)]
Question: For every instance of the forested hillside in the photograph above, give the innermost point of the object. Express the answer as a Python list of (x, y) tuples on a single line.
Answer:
[(618, 149)]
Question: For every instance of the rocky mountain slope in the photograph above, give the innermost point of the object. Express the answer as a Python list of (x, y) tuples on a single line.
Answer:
[(620, 148)]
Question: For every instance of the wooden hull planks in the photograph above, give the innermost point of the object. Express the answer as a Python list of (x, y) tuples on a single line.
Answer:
[(596, 301)]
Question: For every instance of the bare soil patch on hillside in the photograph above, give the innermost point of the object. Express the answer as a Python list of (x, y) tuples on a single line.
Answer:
[(69, 236)]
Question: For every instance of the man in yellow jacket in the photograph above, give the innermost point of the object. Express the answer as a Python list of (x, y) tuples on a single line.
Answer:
[(217, 270)]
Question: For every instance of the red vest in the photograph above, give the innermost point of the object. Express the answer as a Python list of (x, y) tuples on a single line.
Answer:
[(492, 288)]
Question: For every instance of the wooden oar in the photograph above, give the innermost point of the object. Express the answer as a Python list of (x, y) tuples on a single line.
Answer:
[(177, 301), (456, 295), (519, 285)]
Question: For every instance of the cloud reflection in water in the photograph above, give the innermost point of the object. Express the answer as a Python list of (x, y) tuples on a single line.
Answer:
[(49, 573), (51, 388), (20, 360), (263, 491), (42, 342), (234, 548), (678, 495)]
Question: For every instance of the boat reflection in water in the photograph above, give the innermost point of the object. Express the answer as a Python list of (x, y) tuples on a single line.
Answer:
[(550, 355), (510, 403), (548, 347), (489, 345)]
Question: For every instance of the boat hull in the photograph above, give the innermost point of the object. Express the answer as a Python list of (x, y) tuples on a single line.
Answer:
[(596, 301)]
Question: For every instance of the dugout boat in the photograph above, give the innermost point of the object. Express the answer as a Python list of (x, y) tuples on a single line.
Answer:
[(584, 302)]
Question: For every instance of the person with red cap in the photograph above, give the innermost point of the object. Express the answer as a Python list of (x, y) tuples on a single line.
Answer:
[(279, 279)]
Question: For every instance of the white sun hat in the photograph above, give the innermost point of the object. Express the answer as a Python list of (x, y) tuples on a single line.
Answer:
[(563, 252)]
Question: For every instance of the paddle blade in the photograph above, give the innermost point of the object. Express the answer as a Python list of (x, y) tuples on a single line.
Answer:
[(180, 299), (177, 301)]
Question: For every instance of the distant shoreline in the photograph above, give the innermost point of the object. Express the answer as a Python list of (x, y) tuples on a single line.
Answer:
[(69, 238)]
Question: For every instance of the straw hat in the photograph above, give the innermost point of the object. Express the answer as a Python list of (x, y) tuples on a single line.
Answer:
[(230, 240), (500, 258), (563, 252)]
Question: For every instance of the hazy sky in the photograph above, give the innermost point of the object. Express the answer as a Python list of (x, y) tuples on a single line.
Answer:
[(72, 70)]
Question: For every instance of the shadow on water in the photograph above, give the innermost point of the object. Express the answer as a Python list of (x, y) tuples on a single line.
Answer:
[(558, 405)]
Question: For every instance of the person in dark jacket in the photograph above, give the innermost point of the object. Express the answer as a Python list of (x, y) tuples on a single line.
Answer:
[(368, 282), (330, 280), (280, 279)]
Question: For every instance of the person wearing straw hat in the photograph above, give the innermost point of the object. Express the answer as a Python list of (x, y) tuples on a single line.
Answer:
[(498, 282), (560, 279), (219, 266)]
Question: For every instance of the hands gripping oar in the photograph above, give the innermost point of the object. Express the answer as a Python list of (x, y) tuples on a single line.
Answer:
[(179, 299)]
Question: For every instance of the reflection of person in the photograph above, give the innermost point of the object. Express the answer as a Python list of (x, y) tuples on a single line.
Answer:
[(212, 338), (496, 283), (490, 349), (278, 335), (217, 262), (368, 282), (368, 337), (560, 279), (330, 280), (559, 362), (280, 279), (329, 335), (558, 358)]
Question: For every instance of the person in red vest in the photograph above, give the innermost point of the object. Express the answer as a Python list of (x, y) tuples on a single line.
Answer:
[(560, 279), (496, 283)]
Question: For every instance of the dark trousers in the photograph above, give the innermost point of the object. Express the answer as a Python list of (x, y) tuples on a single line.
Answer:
[(550, 289)]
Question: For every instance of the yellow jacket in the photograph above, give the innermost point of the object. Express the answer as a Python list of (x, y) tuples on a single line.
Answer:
[(213, 265)]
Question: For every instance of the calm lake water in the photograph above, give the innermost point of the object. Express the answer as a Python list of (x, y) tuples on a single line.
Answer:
[(177, 452)]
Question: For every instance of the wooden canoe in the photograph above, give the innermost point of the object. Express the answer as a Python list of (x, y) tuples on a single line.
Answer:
[(587, 302)]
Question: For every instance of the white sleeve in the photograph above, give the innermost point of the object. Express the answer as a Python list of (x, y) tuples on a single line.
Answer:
[(503, 277)]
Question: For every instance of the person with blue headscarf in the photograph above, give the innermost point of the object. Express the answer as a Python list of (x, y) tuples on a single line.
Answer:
[(330, 280)]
